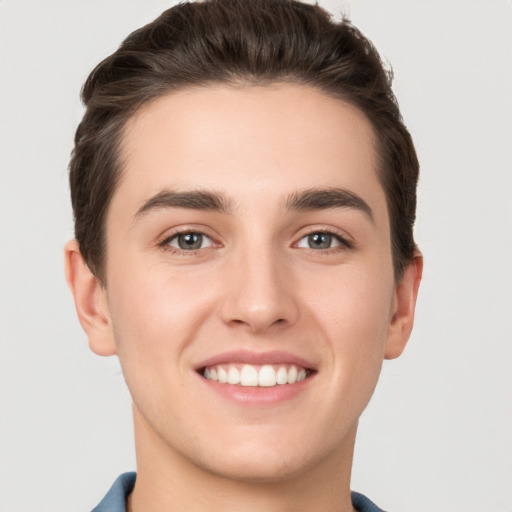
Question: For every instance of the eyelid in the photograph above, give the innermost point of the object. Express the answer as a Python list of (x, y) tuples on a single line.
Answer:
[(344, 239), (203, 236), (163, 241)]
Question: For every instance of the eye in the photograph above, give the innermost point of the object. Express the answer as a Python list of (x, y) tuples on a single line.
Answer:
[(189, 241), (321, 240)]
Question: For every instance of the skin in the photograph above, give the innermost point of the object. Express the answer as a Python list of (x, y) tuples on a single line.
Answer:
[(256, 284)]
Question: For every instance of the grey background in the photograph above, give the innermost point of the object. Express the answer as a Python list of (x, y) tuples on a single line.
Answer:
[(437, 435)]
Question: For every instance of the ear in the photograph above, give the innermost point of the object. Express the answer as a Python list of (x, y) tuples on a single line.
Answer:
[(404, 304), (90, 301)]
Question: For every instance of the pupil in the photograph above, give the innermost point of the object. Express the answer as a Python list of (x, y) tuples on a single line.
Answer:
[(190, 241), (320, 240)]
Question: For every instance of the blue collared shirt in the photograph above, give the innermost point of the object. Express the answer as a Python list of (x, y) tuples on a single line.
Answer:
[(115, 499)]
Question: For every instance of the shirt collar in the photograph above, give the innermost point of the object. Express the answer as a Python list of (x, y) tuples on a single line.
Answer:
[(115, 499)]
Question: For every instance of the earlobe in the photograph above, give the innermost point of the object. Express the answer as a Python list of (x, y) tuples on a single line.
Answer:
[(90, 301), (406, 293)]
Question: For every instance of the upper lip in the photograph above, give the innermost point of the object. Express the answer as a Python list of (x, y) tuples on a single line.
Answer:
[(256, 358)]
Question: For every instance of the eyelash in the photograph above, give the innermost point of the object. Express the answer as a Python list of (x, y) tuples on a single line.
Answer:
[(165, 243), (343, 243)]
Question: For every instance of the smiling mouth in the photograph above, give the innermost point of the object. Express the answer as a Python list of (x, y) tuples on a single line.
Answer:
[(248, 375)]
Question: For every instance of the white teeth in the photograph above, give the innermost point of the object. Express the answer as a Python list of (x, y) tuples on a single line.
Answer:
[(282, 376), (267, 376), (233, 376), (249, 375), (223, 375), (292, 375)]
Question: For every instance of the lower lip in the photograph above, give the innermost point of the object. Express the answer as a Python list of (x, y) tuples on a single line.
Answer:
[(256, 395)]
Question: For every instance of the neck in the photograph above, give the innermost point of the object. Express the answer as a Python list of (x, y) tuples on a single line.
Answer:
[(166, 480)]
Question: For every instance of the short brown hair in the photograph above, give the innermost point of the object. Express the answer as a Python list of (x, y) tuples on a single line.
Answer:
[(253, 42)]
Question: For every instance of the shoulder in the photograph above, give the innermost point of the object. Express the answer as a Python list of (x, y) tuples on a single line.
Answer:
[(115, 499), (362, 504)]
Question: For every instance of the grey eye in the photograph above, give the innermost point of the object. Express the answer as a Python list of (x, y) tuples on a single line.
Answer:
[(190, 241), (319, 241)]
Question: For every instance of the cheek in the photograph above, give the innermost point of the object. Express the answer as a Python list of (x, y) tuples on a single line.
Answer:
[(152, 309), (354, 301), (158, 313), (354, 311), (155, 317)]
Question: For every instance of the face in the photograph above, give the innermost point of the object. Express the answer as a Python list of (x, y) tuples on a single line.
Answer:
[(250, 292)]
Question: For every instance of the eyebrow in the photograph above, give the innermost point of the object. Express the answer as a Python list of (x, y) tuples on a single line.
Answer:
[(326, 198), (194, 200), (310, 199)]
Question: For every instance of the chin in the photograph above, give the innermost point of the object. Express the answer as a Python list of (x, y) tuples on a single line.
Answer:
[(266, 461), (260, 470)]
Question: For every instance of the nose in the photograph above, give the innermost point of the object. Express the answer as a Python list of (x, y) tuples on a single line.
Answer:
[(259, 292)]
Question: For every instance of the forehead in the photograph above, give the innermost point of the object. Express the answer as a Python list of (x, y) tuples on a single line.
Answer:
[(248, 140)]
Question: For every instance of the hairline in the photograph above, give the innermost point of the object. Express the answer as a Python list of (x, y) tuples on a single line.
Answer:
[(129, 115)]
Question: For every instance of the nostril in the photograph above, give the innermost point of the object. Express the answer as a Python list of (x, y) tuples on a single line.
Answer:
[(254, 325)]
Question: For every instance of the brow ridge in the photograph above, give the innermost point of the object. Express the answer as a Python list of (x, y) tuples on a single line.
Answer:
[(310, 199), (192, 199), (326, 198)]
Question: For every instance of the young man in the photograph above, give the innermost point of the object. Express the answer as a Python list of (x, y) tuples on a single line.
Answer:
[(244, 197)]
